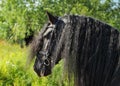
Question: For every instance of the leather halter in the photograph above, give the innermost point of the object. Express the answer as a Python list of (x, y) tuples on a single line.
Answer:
[(45, 53)]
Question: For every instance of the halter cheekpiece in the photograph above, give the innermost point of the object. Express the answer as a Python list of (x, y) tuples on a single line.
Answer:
[(45, 53)]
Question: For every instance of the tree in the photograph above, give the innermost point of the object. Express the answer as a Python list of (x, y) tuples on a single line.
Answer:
[(19, 17)]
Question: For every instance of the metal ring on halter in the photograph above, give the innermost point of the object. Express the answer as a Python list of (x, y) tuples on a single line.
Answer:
[(47, 62)]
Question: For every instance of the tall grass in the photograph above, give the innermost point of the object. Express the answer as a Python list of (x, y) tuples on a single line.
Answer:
[(14, 73)]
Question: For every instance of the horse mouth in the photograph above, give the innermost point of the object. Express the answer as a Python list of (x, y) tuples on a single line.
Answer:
[(43, 73)]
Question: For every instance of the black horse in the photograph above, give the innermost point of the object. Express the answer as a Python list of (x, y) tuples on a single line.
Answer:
[(91, 50)]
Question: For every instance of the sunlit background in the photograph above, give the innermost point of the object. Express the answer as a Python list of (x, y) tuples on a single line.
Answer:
[(21, 19)]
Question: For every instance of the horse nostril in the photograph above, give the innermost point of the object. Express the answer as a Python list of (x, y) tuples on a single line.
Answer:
[(46, 62)]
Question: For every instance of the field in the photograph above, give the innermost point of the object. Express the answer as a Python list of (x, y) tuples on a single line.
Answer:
[(13, 71)]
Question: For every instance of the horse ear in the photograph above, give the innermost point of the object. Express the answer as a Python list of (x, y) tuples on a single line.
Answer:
[(52, 18)]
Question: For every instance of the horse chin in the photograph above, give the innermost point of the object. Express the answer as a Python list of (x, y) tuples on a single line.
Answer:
[(41, 74)]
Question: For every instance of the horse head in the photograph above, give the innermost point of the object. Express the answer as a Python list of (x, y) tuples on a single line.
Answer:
[(44, 46)]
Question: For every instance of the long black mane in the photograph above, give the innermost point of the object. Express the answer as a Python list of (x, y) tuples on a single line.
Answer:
[(91, 50)]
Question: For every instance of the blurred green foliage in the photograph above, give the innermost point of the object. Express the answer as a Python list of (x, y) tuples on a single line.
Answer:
[(13, 70), (18, 17)]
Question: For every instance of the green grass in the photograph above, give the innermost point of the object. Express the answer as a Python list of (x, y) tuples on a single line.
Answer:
[(13, 70)]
